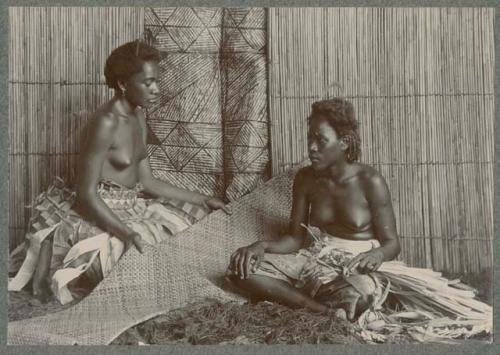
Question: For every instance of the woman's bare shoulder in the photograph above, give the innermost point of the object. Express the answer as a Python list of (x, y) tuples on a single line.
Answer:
[(103, 119), (101, 126), (371, 179)]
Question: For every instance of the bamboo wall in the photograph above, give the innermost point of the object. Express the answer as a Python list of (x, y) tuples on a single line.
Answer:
[(421, 81), (56, 66)]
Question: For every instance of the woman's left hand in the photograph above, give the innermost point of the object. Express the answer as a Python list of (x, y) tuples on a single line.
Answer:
[(367, 262), (214, 203)]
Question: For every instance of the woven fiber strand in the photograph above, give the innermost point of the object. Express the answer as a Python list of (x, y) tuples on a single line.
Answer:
[(181, 270), (421, 82), (56, 66)]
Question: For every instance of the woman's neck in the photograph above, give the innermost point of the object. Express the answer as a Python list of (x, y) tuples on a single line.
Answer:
[(338, 171), (123, 106)]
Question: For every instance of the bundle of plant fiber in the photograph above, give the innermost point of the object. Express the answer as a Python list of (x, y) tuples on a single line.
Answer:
[(233, 323), (212, 322)]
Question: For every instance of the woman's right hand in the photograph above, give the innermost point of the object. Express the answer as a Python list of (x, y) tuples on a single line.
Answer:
[(137, 241), (246, 259)]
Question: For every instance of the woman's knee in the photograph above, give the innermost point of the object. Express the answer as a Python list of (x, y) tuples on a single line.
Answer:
[(242, 282)]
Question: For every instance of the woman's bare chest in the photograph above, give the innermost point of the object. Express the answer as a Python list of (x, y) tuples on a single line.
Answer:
[(128, 147), (344, 204)]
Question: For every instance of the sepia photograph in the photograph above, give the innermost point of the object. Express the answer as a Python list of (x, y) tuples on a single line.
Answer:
[(250, 175)]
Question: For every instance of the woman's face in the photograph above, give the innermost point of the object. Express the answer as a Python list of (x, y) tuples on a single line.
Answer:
[(325, 147), (141, 89)]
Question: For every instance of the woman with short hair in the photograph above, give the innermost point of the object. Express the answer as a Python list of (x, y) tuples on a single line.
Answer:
[(79, 241), (342, 241)]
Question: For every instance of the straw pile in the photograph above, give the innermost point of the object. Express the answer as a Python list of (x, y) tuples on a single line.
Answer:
[(212, 322), (421, 81)]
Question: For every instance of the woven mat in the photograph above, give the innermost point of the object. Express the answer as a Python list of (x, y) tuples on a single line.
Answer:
[(209, 131), (185, 269)]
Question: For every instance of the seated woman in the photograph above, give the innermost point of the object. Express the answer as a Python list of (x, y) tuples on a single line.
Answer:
[(347, 264), (75, 238)]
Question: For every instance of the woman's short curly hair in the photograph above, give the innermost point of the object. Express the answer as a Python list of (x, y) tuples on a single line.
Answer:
[(127, 60), (339, 113)]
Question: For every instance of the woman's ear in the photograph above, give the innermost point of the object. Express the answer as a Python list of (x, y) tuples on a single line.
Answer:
[(121, 86), (344, 145)]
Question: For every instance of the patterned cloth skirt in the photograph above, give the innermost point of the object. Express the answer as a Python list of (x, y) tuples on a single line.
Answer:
[(81, 251), (395, 298)]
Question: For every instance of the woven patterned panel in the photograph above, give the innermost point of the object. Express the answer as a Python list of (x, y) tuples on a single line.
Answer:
[(245, 99), (187, 121), (210, 126)]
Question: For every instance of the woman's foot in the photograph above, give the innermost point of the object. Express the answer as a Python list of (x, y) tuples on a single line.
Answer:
[(339, 313), (266, 288), (41, 290)]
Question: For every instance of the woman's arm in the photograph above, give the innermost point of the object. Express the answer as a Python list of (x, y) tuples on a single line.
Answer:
[(159, 188), (296, 238), (242, 258), (384, 222), (384, 226), (92, 158)]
